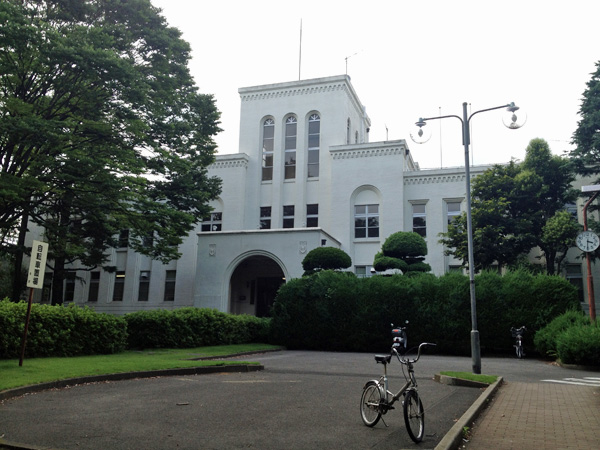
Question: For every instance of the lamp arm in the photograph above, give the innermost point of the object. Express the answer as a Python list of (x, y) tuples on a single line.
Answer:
[(489, 109)]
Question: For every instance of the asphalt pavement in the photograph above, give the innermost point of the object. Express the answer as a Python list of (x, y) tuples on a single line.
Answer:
[(301, 400)]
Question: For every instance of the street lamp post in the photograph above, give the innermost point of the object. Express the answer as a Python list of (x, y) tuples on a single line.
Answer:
[(421, 137)]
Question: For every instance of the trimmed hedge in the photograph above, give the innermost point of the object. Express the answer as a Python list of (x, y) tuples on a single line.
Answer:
[(59, 331), (580, 344), (193, 327), (338, 311), (546, 339)]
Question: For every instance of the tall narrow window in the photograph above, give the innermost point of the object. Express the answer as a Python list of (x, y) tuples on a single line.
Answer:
[(144, 289), (124, 239), (265, 217), (288, 216), (348, 131), (291, 126), (212, 222), (314, 141), (94, 286), (366, 221), (69, 286), (312, 215), (419, 219), (171, 275), (119, 287), (268, 142), (453, 210)]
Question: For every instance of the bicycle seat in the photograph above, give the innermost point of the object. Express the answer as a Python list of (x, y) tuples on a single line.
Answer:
[(383, 359)]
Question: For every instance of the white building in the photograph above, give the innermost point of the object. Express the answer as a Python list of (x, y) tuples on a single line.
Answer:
[(305, 176)]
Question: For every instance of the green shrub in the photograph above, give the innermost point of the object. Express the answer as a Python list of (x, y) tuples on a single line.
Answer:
[(580, 344), (193, 327), (338, 311), (325, 258), (59, 331), (546, 338)]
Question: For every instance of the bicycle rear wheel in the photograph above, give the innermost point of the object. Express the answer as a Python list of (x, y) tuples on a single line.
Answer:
[(414, 416), (370, 402)]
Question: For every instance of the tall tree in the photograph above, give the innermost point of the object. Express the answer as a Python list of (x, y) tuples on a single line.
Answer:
[(101, 129), (511, 204), (586, 137)]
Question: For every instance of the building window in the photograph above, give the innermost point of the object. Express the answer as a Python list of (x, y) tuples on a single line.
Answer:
[(348, 131), (455, 269), (452, 210), (314, 141), (288, 216), (419, 219), (363, 271), (94, 286), (366, 221), (312, 215), (575, 277), (291, 127), (265, 217), (144, 289), (119, 289), (268, 142), (69, 287), (212, 222), (124, 239), (171, 275)]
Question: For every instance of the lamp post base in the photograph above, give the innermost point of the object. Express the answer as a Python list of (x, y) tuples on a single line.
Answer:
[(475, 352)]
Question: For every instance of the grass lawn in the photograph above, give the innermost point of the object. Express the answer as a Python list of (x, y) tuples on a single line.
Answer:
[(489, 379), (40, 370)]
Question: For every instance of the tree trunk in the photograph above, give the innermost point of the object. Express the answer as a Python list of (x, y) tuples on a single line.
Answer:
[(18, 282)]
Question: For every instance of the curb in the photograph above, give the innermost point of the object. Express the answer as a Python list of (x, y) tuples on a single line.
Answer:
[(4, 395), (453, 437), (452, 381)]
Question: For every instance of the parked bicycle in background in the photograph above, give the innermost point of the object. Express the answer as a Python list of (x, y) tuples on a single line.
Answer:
[(377, 399), (518, 333)]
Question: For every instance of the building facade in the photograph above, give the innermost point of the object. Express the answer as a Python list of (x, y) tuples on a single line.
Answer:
[(305, 176)]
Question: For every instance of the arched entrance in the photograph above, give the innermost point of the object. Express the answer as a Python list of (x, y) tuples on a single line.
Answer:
[(254, 284)]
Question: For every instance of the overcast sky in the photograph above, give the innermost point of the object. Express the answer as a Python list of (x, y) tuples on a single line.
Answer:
[(406, 59)]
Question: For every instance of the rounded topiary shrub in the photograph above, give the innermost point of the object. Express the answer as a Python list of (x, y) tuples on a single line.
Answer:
[(325, 258), (404, 244)]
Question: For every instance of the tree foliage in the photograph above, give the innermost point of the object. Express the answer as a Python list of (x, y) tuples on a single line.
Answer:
[(101, 128), (512, 205), (586, 137), (325, 258), (404, 251)]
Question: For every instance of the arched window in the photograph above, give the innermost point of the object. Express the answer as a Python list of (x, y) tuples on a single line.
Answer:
[(348, 131), (291, 127), (267, 156), (314, 140)]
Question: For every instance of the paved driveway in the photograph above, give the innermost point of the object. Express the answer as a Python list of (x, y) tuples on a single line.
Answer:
[(302, 400)]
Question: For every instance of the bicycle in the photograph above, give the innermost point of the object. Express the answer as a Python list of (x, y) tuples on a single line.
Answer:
[(377, 399), (518, 333)]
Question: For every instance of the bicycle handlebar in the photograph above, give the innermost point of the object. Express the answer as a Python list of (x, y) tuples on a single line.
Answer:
[(405, 360)]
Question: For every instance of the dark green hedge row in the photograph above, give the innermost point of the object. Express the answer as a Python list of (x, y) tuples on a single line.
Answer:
[(71, 331), (572, 338), (193, 327), (337, 311), (59, 331)]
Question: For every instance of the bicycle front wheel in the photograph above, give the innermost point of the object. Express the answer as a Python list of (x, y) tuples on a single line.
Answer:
[(370, 402), (414, 416), (519, 351)]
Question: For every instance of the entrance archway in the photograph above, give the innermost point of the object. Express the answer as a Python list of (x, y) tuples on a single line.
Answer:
[(254, 284)]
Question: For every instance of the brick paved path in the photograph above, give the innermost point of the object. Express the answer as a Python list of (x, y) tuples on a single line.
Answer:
[(539, 416)]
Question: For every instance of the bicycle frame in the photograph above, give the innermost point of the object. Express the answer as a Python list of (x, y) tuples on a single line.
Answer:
[(410, 383)]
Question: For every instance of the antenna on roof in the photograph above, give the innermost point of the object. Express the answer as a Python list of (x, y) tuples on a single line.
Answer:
[(348, 57), (300, 54)]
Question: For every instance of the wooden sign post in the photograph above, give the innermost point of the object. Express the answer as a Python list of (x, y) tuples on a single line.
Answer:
[(35, 280)]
